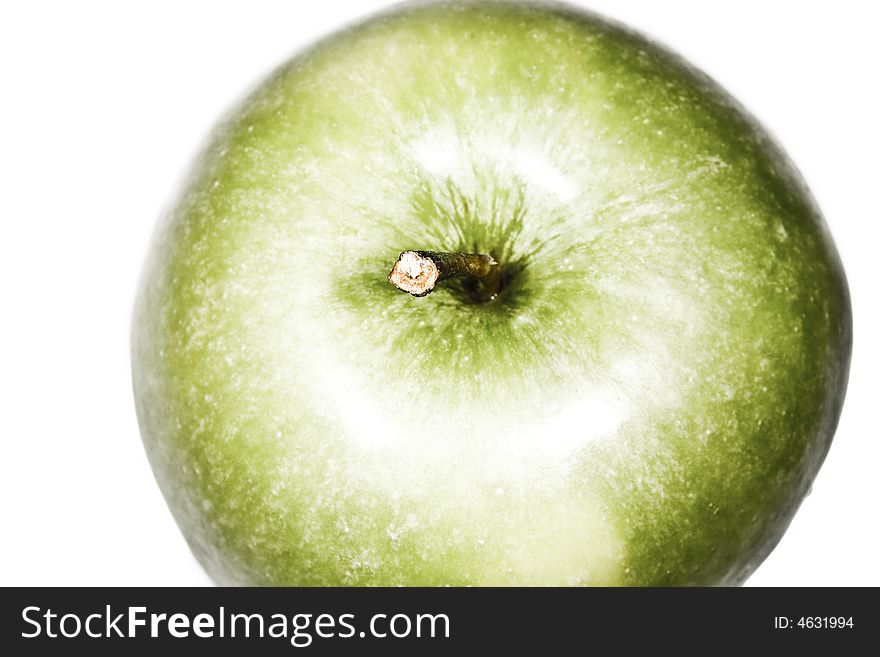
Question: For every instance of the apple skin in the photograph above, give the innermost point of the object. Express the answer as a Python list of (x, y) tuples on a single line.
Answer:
[(646, 402)]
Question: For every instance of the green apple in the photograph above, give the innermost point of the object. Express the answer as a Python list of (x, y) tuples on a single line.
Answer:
[(644, 397)]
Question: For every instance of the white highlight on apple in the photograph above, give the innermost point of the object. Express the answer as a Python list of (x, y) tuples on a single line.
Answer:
[(440, 151)]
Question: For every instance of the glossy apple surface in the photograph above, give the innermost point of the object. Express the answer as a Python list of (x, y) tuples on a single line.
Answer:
[(647, 400)]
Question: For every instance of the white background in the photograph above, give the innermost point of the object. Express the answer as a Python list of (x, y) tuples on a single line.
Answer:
[(102, 107)]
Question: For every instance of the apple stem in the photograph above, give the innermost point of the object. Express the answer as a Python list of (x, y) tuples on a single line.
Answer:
[(418, 272)]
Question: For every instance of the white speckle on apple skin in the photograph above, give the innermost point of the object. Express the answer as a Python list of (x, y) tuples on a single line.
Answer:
[(652, 394)]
